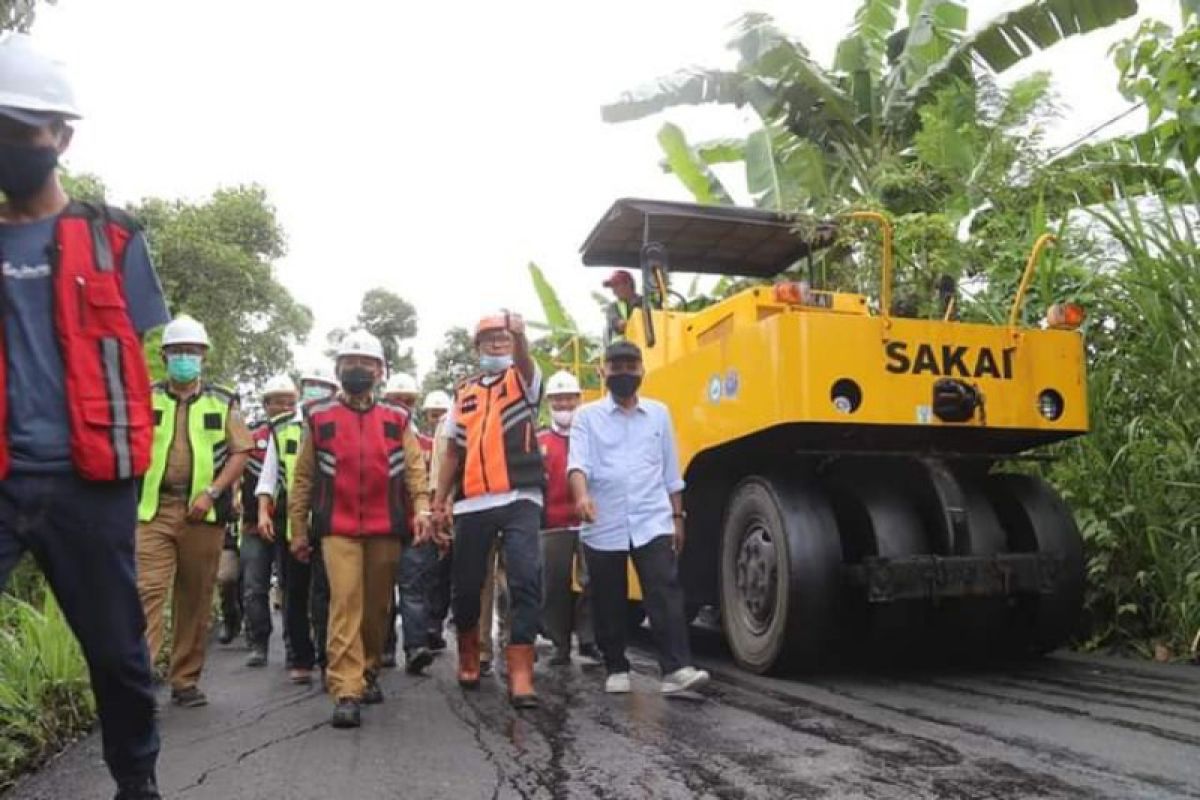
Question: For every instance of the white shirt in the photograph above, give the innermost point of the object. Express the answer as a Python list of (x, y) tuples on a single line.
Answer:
[(483, 502), (632, 468)]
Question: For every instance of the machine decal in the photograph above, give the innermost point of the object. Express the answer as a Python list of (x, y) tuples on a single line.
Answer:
[(732, 383), (714, 389), (924, 415), (949, 360)]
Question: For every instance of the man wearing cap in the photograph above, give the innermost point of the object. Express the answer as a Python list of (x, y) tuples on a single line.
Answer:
[(69, 464), (200, 448), (563, 611), (497, 465), (361, 474), (624, 474), (260, 547), (621, 309)]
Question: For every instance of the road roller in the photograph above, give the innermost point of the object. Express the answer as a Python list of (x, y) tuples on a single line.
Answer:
[(858, 477)]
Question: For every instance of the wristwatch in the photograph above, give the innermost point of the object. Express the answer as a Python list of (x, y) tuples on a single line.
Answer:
[(212, 492)]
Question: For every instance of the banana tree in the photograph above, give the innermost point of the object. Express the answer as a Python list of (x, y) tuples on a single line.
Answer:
[(825, 131), (562, 345)]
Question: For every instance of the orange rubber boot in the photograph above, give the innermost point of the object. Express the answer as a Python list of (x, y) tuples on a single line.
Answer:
[(520, 675), (468, 658)]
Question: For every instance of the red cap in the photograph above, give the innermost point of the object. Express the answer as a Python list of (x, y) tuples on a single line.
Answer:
[(616, 276)]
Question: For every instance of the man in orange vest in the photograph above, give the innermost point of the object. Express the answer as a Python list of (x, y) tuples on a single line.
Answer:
[(361, 475), (496, 462), (75, 419)]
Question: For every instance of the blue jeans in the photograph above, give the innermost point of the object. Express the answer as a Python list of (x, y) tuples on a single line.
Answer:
[(257, 556), (519, 526), (81, 534), (417, 562)]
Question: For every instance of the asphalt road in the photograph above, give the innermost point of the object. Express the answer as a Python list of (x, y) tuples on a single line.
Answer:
[(1065, 727)]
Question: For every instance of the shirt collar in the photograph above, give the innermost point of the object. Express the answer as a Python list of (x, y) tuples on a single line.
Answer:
[(610, 405)]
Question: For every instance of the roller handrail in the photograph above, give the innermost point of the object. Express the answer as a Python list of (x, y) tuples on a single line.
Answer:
[(1035, 255), (885, 279)]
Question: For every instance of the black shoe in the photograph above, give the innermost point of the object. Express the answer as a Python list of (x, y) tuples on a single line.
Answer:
[(485, 666), (138, 789), (561, 657), (346, 714), (372, 695), (257, 657), (388, 660), (437, 642), (590, 655), (417, 660), (229, 631), (191, 697)]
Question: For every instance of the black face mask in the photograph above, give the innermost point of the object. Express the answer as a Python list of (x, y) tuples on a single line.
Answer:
[(624, 385), (24, 169), (357, 380)]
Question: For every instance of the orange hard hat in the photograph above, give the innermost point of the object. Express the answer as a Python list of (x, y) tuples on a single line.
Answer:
[(492, 322)]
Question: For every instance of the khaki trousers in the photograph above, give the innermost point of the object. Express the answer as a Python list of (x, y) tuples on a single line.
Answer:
[(360, 570), (494, 598), (178, 557)]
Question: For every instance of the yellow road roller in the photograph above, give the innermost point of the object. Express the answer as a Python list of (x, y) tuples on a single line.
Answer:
[(853, 477)]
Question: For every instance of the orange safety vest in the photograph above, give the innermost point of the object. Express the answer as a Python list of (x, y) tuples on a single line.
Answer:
[(495, 431)]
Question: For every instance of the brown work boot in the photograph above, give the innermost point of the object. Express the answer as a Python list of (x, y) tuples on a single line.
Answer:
[(468, 658), (520, 675)]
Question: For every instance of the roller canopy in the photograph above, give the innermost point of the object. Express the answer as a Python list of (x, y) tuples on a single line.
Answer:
[(723, 240)]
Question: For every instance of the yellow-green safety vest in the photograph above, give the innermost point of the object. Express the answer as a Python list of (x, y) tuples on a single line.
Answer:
[(208, 415), (287, 432)]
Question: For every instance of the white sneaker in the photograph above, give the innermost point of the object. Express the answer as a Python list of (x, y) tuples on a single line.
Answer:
[(618, 683), (684, 679)]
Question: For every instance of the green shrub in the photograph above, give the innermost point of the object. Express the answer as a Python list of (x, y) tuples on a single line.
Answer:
[(45, 698)]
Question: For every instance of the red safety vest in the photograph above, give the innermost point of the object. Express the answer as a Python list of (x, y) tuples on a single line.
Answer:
[(559, 508), (360, 488), (104, 368)]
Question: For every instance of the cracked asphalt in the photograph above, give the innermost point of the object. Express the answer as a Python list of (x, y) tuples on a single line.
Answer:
[(1066, 727)]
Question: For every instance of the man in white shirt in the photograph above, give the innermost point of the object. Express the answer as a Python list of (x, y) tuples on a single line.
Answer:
[(624, 473)]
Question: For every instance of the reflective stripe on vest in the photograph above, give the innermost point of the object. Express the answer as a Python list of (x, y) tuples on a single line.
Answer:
[(208, 414), (104, 369), (495, 434), (360, 489)]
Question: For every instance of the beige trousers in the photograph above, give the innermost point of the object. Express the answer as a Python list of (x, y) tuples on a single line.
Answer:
[(361, 571)]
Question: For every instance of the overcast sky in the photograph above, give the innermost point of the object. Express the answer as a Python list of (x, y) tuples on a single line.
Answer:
[(433, 148)]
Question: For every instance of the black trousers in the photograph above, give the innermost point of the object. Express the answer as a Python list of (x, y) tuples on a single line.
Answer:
[(318, 602), (297, 624), (519, 525), (661, 595), (81, 534)]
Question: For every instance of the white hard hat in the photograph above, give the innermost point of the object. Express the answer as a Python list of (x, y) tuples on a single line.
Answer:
[(280, 384), (402, 383), (562, 382), (184, 330), (437, 400), (33, 86), (360, 343), (320, 374)]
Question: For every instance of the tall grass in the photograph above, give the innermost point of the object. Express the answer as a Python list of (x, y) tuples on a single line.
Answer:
[(1135, 481), (45, 699)]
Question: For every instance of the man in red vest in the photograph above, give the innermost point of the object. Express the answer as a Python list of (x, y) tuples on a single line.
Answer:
[(563, 611), (495, 460), (75, 422), (361, 475)]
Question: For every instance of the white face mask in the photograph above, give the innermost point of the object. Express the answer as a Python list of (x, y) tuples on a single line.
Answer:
[(563, 417)]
